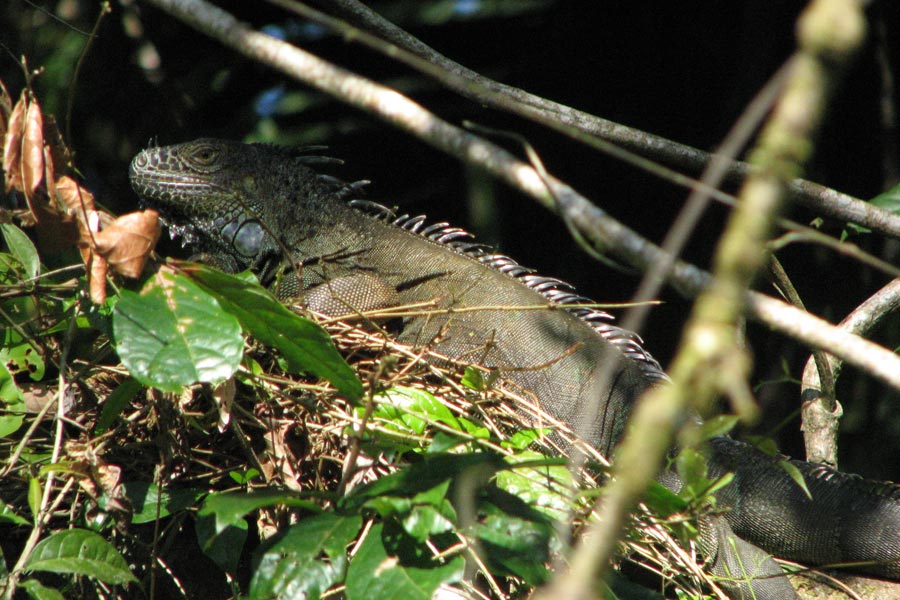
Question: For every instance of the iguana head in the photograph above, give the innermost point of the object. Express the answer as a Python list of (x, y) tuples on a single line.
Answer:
[(226, 198)]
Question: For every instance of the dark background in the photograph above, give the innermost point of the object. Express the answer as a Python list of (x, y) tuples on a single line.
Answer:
[(682, 70)]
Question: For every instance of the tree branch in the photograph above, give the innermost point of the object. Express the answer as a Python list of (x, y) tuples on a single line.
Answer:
[(571, 122), (603, 231), (821, 411)]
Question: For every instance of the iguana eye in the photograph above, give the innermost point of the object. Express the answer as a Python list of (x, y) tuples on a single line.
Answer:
[(204, 155)]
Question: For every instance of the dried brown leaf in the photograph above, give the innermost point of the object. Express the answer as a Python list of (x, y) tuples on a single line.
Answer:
[(12, 145), (32, 159), (76, 198), (96, 276), (127, 242)]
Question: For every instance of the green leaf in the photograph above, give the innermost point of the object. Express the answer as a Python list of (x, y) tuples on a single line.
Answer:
[(306, 346), (146, 500), (795, 474), (307, 560), (80, 552), (174, 334), (409, 410), (515, 537), (222, 529), (664, 501), (692, 468), (34, 495), (20, 356), (11, 401), (8, 514), (474, 379), (37, 591), (424, 475), (9, 424), (377, 574), (229, 508), (889, 200), (244, 477), (21, 247), (115, 403), (547, 488), (224, 546)]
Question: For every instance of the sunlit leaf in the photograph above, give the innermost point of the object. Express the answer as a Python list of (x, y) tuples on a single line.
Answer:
[(80, 552), (173, 334)]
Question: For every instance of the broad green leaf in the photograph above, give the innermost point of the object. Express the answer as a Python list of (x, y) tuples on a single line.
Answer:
[(147, 500), (377, 574), (664, 501), (424, 475), (424, 521), (306, 346), (409, 410), (474, 379), (423, 515), (80, 552), (174, 334), (9, 424), (21, 247), (692, 469), (37, 591), (224, 546), (889, 200), (310, 558)]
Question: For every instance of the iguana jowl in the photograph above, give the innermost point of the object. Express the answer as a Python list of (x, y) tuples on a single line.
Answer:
[(251, 205)]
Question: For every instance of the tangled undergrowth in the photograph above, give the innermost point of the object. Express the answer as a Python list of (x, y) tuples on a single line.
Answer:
[(406, 474)]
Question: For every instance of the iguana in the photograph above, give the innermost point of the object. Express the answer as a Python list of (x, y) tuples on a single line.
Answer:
[(265, 208)]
